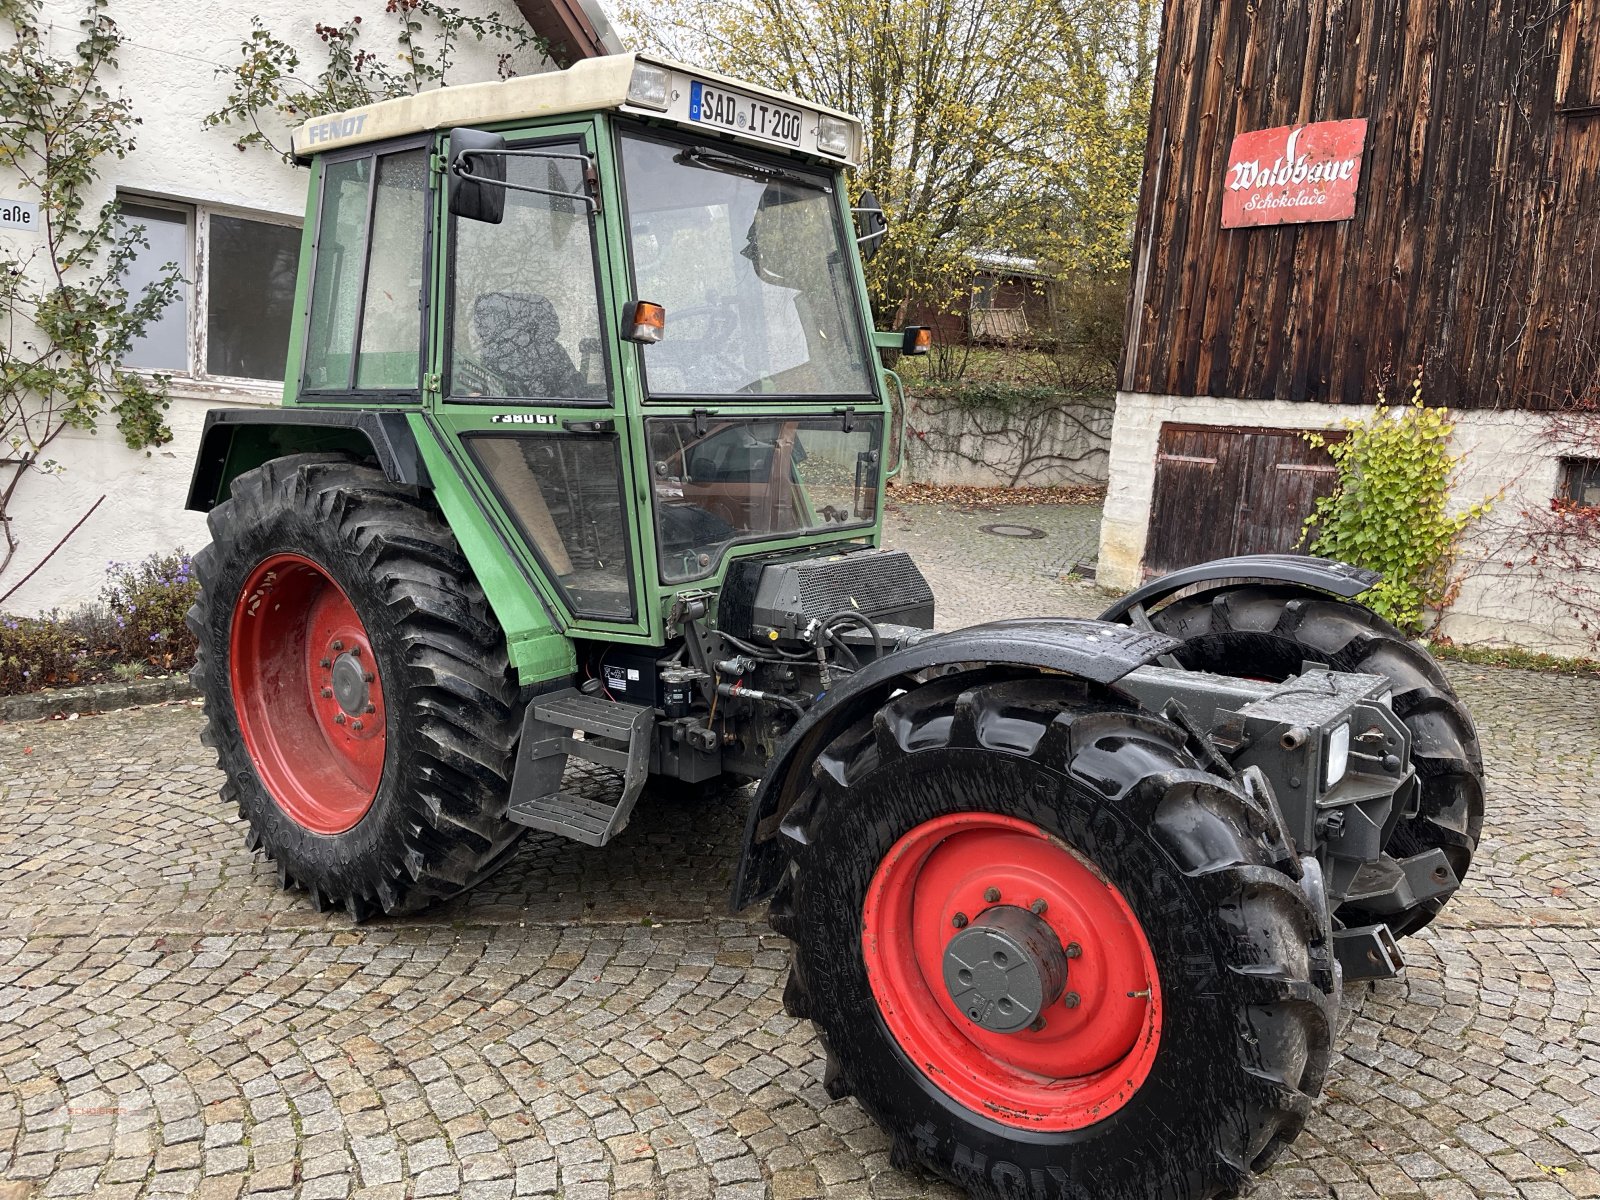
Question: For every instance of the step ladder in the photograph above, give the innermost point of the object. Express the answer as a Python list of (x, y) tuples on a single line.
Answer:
[(549, 739)]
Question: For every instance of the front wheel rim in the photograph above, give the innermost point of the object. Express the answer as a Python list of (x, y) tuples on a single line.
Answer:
[(1097, 1038), (307, 692)]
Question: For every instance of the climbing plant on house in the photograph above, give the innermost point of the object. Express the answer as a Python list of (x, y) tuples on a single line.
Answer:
[(1391, 510), (267, 83), (66, 317)]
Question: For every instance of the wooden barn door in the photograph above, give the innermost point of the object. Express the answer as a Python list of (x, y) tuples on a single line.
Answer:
[(1222, 491)]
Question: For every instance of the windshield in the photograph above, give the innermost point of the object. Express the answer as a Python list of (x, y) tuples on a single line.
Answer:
[(722, 481), (750, 261)]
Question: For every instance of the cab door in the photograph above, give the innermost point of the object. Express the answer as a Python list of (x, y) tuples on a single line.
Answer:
[(520, 383)]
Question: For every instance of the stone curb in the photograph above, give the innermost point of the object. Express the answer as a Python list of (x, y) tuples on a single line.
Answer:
[(95, 697)]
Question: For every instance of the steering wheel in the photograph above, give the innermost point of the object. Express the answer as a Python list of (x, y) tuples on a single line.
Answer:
[(713, 364), (721, 323)]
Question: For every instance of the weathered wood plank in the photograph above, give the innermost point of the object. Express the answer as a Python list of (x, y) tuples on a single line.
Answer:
[(1472, 254)]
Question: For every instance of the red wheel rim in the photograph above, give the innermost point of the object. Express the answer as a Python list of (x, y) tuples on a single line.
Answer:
[(1087, 1060), (307, 693)]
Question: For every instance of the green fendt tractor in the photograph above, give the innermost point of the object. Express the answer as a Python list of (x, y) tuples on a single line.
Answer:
[(582, 457)]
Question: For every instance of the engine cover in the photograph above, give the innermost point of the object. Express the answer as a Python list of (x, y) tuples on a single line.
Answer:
[(763, 594)]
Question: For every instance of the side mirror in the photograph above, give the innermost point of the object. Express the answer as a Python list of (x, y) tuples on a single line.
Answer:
[(477, 175), (871, 224)]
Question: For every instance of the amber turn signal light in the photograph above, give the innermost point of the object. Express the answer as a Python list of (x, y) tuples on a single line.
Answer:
[(916, 339), (643, 322)]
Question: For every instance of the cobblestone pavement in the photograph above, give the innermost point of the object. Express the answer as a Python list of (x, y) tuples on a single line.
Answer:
[(592, 1023)]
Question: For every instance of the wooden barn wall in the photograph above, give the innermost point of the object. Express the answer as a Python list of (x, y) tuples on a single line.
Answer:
[(1473, 251)]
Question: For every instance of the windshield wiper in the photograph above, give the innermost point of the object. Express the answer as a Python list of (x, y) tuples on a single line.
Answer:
[(715, 160)]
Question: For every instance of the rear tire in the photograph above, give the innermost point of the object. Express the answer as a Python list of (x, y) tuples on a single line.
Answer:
[(1241, 1000), (377, 796), (1261, 631)]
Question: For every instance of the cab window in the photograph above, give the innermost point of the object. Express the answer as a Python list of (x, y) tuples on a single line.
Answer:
[(752, 263), (525, 308), (365, 330)]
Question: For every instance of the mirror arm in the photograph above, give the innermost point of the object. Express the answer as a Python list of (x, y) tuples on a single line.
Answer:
[(523, 187)]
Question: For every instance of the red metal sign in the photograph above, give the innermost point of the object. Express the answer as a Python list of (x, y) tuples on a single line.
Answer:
[(1295, 173)]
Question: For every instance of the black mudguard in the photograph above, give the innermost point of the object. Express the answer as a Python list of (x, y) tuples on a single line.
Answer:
[(236, 440), (1075, 646), (1325, 575)]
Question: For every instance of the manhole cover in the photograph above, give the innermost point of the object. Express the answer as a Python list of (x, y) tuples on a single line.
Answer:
[(1015, 531)]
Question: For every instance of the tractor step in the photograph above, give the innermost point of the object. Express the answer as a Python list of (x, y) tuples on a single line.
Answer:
[(566, 725)]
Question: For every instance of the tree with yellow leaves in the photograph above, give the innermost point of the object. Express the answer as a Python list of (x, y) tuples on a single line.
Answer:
[(1002, 125)]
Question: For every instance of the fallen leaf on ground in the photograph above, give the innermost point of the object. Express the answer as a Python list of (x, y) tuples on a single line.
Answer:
[(989, 497)]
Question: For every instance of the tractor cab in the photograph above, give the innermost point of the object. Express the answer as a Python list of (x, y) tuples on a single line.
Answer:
[(622, 305)]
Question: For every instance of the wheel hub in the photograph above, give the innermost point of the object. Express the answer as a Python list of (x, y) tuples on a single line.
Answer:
[(307, 693), (969, 926), (350, 684), (1005, 968)]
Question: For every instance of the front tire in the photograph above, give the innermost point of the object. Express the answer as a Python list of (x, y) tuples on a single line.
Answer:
[(356, 687), (1194, 1026)]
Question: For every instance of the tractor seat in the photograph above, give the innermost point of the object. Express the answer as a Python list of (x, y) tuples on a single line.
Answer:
[(516, 335)]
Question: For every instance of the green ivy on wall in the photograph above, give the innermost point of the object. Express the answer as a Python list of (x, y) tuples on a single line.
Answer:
[(266, 83), (1391, 509)]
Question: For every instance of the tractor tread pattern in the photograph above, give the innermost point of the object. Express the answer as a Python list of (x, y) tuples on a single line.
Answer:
[(1282, 971), (456, 702)]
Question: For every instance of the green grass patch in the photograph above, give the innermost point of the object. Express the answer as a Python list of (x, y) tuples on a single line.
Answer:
[(1513, 656)]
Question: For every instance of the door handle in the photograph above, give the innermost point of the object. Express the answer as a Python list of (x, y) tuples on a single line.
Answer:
[(603, 425)]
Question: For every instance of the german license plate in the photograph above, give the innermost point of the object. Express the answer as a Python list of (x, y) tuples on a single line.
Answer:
[(739, 113)]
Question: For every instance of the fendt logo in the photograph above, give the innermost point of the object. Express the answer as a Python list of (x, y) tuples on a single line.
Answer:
[(343, 127), (1294, 173)]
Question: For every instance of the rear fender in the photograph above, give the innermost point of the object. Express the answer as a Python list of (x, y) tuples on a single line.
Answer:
[(234, 441), (1072, 646), (1325, 575)]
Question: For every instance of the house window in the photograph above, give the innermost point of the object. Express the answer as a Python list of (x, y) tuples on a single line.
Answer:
[(1580, 481), (233, 312)]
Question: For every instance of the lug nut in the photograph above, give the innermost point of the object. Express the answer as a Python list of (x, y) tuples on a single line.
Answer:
[(991, 894), (1037, 907), (366, 677), (1071, 1000), (326, 663), (959, 920), (327, 693), (372, 708), (356, 725), (1038, 1025), (355, 651), (1074, 950), (338, 719), (338, 645)]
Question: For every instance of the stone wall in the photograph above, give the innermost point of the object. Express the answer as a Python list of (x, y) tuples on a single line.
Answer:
[(1065, 444), (1507, 454)]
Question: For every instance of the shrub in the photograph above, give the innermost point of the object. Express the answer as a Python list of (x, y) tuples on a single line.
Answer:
[(1390, 511), (148, 600), (56, 650), (138, 627)]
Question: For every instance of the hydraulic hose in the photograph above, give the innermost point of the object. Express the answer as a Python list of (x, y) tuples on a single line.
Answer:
[(737, 691)]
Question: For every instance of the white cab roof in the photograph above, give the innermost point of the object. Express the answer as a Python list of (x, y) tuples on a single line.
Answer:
[(587, 85)]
